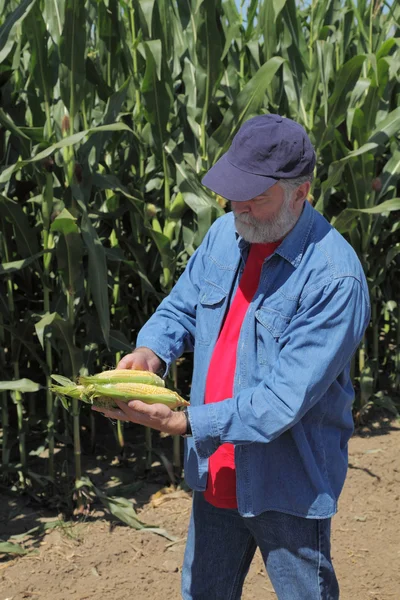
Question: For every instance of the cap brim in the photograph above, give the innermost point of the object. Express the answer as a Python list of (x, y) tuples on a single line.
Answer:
[(234, 184)]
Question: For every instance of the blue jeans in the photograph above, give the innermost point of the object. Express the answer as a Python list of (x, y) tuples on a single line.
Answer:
[(221, 545)]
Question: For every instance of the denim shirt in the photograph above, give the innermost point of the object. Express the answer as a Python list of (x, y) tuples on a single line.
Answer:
[(290, 416)]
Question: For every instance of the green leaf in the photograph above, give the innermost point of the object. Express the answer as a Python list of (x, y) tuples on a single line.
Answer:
[(33, 133), (194, 194), (345, 81), (325, 67), (109, 35), (157, 94), (115, 102), (348, 217), (252, 8), (97, 274), (94, 77), (40, 68), (55, 326), (20, 385), (123, 510), (278, 7), (53, 15), (62, 380), (65, 223), (232, 34), (246, 104), (167, 256), (392, 253), (269, 29), (18, 265), (111, 182), (64, 143), (386, 128), (112, 112), (42, 528), (368, 147), (367, 382), (9, 29), (346, 220), (69, 250), (9, 124), (390, 172), (10, 548), (153, 51), (388, 206), (335, 170), (385, 401), (73, 56), (17, 335), (209, 52), (25, 235), (147, 7), (119, 342), (385, 48)]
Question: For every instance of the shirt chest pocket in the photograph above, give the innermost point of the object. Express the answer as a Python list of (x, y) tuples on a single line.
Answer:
[(210, 311), (270, 325)]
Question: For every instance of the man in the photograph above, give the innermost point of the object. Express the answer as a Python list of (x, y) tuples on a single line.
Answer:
[(274, 304)]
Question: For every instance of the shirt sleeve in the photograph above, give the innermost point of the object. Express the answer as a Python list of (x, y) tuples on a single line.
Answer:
[(170, 331), (316, 346)]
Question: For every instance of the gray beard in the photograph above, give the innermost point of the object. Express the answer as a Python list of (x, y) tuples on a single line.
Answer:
[(263, 232)]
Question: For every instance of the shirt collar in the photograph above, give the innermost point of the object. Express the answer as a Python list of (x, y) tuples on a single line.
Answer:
[(292, 246)]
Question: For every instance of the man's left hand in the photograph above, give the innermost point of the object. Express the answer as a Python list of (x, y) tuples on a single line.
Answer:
[(157, 416)]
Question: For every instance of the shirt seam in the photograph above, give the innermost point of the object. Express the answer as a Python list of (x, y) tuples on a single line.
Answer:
[(331, 280)]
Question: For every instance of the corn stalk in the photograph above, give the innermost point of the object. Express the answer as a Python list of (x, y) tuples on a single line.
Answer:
[(111, 113)]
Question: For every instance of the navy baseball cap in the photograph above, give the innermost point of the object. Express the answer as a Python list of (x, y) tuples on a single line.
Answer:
[(265, 149)]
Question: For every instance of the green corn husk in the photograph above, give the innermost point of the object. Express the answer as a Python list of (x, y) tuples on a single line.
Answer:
[(73, 391), (70, 391), (81, 393)]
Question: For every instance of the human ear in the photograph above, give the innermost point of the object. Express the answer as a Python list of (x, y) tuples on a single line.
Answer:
[(302, 191)]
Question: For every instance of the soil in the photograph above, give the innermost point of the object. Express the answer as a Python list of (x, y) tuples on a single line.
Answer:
[(97, 557)]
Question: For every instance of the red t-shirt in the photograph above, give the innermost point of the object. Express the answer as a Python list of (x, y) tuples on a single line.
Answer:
[(221, 483)]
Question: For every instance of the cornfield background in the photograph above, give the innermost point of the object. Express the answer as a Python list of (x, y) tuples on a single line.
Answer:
[(110, 113)]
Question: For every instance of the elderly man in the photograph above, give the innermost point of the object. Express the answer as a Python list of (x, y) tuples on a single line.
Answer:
[(274, 304)]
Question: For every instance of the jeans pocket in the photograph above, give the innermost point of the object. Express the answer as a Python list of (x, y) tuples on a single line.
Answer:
[(270, 326)]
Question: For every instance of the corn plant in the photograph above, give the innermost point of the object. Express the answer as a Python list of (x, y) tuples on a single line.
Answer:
[(110, 113)]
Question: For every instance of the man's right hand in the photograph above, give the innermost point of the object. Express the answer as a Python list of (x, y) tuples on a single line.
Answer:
[(141, 359)]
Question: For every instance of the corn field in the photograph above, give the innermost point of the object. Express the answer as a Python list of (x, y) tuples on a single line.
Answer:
[(110, 113)]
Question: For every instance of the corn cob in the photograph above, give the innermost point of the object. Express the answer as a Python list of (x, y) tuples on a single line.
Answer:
[(104, 394), (123, 376), (150, 394)]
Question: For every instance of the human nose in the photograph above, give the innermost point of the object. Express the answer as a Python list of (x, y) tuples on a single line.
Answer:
[(240, 207)]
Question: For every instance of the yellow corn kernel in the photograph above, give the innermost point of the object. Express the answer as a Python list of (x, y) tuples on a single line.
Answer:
[(123, 376), (150, 394)]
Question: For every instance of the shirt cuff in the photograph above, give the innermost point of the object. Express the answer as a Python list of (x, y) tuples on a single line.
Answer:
[(205, 431)]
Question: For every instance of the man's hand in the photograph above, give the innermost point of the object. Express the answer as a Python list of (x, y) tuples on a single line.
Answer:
[(157, 416), (141, 359)]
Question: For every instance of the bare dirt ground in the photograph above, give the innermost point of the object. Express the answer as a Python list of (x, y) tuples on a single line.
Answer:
[(98, 558)]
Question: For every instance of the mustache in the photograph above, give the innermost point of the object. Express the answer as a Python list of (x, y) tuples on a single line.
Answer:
[(245, 218)]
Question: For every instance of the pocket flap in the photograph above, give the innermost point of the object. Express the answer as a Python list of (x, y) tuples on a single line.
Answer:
[(211, 295), (272, 320)]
